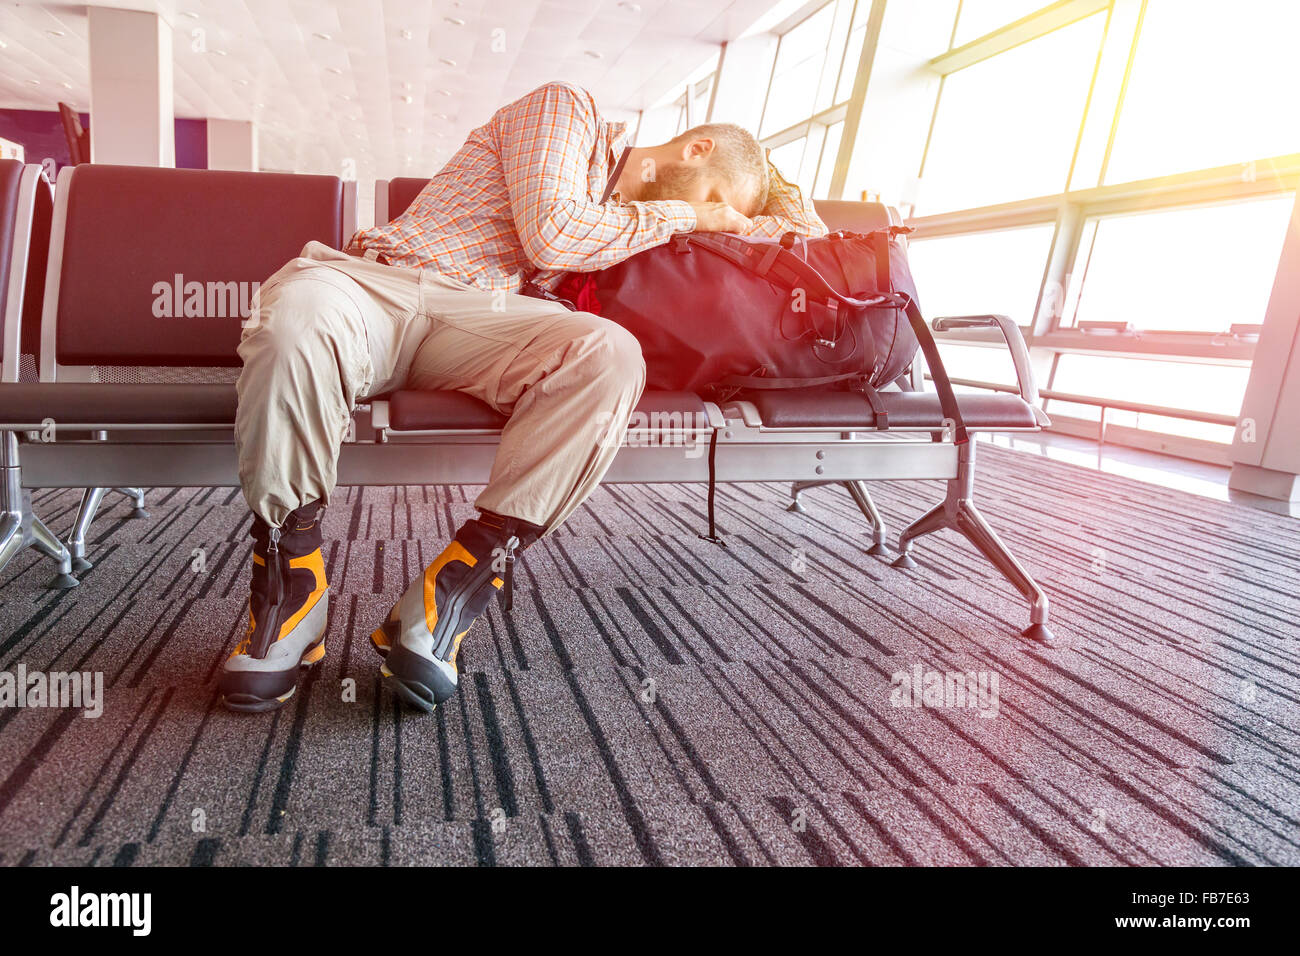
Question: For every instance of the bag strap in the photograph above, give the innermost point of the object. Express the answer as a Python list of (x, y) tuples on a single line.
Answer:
[(947, 398), (764, 383), (873, 399), (785, 267)]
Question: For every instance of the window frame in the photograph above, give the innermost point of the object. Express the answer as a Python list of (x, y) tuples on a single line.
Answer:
[(1073, 209), (819, 122)]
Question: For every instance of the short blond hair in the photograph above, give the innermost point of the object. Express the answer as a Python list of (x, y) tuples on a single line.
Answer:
[(737, 157)]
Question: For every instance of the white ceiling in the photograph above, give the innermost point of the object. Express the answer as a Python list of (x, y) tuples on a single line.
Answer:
[(327, 81)]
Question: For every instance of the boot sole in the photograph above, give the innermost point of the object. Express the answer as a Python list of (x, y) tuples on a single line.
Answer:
[(252, 704), (410, 692)]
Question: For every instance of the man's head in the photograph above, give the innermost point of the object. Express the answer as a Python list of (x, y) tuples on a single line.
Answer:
[(716, 162)]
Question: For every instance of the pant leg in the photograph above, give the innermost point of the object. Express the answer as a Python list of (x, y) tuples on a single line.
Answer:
[(568, 380), (329, 330)]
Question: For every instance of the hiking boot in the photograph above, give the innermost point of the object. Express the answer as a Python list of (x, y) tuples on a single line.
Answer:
[(287, 610)]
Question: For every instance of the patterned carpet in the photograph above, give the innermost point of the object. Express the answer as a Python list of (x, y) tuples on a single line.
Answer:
[(657, 699)]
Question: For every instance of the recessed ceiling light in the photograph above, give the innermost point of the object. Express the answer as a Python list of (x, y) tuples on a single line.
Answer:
[(407, 35), (322, 36), (445, 92), (447, 60), (34, 82), (454, 21), (66, 86), (403, 129), (56, 33), (441, 116), (407, 99), (594, 54), (191, 14), (335, 70), (242, 82), (629, 6), (220, 52)]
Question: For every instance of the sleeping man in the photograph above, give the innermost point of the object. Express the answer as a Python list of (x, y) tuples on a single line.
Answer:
[(434, 300)]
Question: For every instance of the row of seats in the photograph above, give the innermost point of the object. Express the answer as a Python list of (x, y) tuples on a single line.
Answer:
[(127, 325)]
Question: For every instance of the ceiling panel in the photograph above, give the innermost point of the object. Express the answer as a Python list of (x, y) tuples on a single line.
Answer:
[(391, 86)]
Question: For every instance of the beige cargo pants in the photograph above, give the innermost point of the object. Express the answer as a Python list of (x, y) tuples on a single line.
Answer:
[(333, 329)]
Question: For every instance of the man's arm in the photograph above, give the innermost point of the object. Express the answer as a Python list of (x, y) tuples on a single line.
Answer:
[(786, 211), (545, 143)]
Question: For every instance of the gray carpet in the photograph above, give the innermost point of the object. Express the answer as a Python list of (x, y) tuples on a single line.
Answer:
[(656, 699)]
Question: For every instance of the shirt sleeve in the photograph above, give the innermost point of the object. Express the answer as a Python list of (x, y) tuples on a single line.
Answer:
[(786, 210), (545, 141)]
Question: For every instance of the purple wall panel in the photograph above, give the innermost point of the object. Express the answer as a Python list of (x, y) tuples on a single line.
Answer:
[(41, 134)]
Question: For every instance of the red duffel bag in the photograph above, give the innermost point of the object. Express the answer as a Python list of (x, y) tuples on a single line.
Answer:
[(715, 312)]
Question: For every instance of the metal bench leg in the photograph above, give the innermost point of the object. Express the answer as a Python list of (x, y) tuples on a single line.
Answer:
[(958, 512), (137, 495), (11, 537), (19, 527), (858, 489), (798, 488), (90, 501)]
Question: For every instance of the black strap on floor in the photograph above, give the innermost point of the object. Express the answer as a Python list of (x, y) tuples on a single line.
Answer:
[(713, 536)]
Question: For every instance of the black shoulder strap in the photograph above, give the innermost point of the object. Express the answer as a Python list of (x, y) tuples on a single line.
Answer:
[(613, 177), (947, 398), (785, 268)]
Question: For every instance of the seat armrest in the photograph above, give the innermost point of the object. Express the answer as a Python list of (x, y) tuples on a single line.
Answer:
[(1014, 339)]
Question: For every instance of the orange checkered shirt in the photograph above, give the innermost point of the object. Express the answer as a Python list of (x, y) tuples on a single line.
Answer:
[(524, 193)]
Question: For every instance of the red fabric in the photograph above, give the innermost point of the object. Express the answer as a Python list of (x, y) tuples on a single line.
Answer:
[(580, 289)]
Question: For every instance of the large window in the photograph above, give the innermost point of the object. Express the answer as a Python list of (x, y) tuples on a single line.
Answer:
[(1115, 175), (1000, 135), (1189, 269), (985, 272), (812, 79), (1119, 176), (1212, 84)]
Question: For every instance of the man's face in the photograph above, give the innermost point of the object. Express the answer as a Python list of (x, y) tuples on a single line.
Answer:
[(691, 178)]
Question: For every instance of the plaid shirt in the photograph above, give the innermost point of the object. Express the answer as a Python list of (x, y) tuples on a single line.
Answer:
[(524, 194)]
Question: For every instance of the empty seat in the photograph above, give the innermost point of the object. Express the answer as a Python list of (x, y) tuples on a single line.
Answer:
[(86, 404), (136, 233), (851, 410)]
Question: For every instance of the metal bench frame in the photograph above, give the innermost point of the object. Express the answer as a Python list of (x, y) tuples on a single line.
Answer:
[(731, 444)]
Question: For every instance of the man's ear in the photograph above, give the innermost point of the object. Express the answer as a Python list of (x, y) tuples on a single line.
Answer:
[(698, 150)]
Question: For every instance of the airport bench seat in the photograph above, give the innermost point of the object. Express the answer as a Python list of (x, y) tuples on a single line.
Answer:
[(99, 311), (411, 410), (902, 410), (83, 406)]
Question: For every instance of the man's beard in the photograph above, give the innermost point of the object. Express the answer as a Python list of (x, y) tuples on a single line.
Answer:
[(671, 182)]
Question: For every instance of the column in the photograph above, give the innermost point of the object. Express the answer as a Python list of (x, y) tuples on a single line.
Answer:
[(131, 102)]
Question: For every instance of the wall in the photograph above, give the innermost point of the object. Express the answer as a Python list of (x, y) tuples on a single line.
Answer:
[(40, 132)]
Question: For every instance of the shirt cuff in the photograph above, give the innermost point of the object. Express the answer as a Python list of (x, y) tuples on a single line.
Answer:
[(679, 214)]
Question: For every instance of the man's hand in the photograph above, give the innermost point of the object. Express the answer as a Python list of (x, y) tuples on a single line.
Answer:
[(719, 217)]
